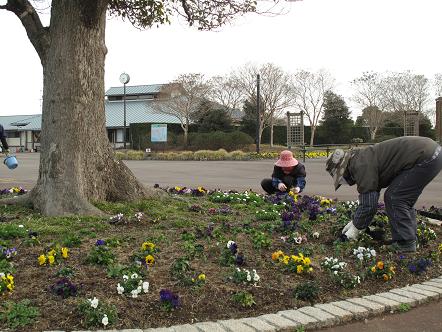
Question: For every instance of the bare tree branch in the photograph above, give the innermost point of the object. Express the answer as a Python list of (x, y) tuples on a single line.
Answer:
[(37, 34)]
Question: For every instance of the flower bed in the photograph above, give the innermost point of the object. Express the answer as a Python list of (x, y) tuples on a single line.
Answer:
[(432, 212), (205, 155), (194, 256)]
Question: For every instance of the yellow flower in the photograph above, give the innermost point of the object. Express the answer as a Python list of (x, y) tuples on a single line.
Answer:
[(286, 260), (373, 269), (51, 259), (150, 260), (299, 269), (52, 252), (307, 261), (201, 190), (310, 269), (276, 255), (10, 287), (440, 247), (386, 277), (380, 265), (64, 252), (202, 277), (10, 278), (147, 246), (177, 188), (41, 259)]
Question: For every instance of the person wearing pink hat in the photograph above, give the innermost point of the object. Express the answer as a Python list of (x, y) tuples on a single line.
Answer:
[(287, 173)]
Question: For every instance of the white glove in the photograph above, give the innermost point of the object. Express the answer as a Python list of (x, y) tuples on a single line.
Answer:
[(350, 231), (296, 190), (282, 186)]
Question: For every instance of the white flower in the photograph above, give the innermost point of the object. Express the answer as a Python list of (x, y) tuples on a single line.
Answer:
[(125, 277), (335, 272), (249, 278), (94, 302), (2, 275), (120, 289), (146, 286), (316, 235), (105, 320), (360, 256), (255, 276), (230, 243), (134, 294), (373, 252), (134, 276), (21, 226), (139, 289), (298, 240)]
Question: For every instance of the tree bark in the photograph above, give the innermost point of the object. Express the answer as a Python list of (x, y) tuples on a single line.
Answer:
[(312, 135), (77, 164), (271, 133)]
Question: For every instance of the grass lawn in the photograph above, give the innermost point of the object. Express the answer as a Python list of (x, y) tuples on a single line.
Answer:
[(173, 261)]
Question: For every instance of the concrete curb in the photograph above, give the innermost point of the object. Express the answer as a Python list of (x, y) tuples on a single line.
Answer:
[(318, 316)]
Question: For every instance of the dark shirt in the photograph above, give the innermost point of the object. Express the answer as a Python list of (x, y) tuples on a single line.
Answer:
[(298, 173), (3, 138)]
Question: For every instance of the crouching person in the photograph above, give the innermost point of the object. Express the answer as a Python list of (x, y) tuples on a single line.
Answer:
[(288, 174)]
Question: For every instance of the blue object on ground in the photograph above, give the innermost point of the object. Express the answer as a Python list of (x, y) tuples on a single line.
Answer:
[(11, 162)]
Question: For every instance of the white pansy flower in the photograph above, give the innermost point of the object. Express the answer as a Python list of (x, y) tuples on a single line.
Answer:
[(146, 286), (105, 320), (120, 289), (316, 235), (134, 276), (134, 294), (230, 243), (94, 302), (125, 277), (373, 252)]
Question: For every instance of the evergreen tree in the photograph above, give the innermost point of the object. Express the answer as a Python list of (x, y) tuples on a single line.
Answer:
[(249, 120), (336, 123), (211, 117)]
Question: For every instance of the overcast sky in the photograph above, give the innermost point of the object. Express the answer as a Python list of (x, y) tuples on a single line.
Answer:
[(346, 37)]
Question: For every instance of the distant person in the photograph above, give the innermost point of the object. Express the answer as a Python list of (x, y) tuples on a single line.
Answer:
[(5, 146), (403, 165), (288, 174)]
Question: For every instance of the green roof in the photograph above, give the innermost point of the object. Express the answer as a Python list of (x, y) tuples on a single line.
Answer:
[(135, 90), (137, 111)]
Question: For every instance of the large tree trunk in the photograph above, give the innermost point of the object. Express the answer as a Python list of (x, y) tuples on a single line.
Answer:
[(373, 132), (271, 133), (77, 164)]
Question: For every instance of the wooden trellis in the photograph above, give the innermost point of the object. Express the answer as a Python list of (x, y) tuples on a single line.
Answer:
[(295, 129), (411, 123)]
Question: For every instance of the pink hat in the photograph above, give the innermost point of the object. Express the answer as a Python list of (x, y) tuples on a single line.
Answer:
[(286, 159)]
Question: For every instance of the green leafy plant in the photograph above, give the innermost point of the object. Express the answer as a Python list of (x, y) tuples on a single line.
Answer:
[(308, 291), (100, 255), (97, 313), (19, 314), (245, 299), (12, 231), (71, 241), (66, 272), (404, 307), (260, 240)]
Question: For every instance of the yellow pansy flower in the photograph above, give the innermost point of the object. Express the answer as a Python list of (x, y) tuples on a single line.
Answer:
[(10, 287), (386, 277), (380, 265), (307, 261), (51, 259), (147, 246), (286, 260), (64, 252), (52, 252), (150, 260), (41, 259), (373, 269), (202, 277), (299, 269)]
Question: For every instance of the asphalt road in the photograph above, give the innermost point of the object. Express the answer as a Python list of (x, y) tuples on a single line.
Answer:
[(226, 175)]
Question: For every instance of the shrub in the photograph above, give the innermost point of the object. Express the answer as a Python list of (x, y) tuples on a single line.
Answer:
[(218, 139), (237, 155), (135, 155), (202, 155), (186, 155), (120, 155)]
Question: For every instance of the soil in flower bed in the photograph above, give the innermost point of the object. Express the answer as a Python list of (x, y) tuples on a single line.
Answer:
[(197, 231)]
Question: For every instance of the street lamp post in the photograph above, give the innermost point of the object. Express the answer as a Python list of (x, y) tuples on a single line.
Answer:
[(124, 78), (258, 113)]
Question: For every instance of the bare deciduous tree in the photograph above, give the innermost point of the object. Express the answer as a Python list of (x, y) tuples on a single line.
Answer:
[(181, 98), (275, 92), (309, 89), (437, 83), (368, 94), (405, 91), (225, 90)]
